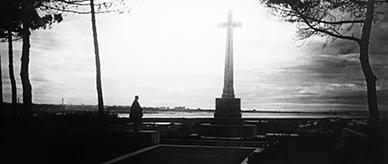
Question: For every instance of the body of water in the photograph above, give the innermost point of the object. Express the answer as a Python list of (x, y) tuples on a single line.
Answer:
[(209, 114)]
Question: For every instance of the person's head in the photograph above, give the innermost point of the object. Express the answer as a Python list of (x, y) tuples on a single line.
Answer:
[(136, 97)]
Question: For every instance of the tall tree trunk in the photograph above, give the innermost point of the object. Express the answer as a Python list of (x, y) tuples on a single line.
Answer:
[(1, 84), (370, 78), (97, 58), (10, 68), (24, 71)]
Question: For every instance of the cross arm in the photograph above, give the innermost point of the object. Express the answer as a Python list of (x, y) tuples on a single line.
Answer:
[(226, 24)]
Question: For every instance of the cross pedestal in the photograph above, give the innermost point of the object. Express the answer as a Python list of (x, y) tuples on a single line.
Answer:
[(228, 111)]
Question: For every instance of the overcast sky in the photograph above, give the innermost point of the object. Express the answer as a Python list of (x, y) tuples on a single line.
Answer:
[(171, 53)]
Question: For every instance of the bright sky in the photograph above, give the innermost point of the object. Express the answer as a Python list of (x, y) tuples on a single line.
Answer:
[(171, 53)]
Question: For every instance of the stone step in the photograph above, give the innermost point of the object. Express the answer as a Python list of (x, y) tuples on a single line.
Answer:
[(227, 130), (216, 141), (188, 154)]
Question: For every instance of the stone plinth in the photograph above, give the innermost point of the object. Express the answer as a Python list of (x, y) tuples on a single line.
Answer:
[(227, 121), (228, 108), (228, 130)]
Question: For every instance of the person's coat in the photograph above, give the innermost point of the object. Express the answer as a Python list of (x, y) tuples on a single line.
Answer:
[(136, 112)]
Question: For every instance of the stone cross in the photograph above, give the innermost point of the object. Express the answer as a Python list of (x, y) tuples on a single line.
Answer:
[(228, 91)]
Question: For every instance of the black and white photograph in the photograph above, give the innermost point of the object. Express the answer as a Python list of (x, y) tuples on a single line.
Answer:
[(194, 81)]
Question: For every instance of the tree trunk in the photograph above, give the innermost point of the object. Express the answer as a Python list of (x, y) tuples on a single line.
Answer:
[(10, 69), (24, 71), (370, 78), (97, 59), (1, 84)]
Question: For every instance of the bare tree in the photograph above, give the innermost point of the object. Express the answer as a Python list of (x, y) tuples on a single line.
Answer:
[(1, 85), (338, 19), (10, 69), (22, 16), (31, 20), (97, 60), (10, 23), (80, 7), (25, 59)]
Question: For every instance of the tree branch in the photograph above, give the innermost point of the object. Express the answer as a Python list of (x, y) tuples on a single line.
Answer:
[(336, 34), (77, 12), (335, 22), (80, 2), (330, 33)]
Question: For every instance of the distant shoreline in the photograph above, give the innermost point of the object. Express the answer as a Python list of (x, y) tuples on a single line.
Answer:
[(181, 112), (53, 108)]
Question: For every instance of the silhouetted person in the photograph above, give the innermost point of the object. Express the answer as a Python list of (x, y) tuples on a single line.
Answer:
[(136, 114)]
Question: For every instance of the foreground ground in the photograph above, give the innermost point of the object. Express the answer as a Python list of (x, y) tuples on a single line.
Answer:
[(82, 138)]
